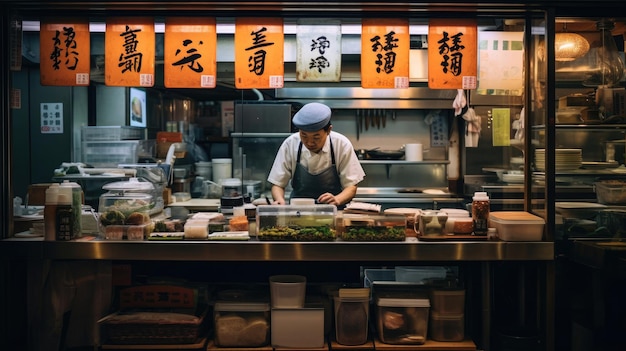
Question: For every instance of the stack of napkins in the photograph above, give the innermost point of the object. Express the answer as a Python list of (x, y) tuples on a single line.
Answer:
[(362, 207)]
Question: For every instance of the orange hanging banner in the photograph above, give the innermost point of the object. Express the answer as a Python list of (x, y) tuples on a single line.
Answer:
[(385, 45), (129, 52), (259, 53), (190, 52), (64, 47), (452, 53)]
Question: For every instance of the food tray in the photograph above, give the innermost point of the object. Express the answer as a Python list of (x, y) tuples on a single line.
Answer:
[(611, 192), (151, 327)]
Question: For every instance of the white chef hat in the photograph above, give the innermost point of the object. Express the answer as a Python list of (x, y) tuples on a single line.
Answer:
[(312, 117)]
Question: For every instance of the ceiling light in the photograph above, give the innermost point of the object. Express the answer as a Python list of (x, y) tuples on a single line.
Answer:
[(569, 46)]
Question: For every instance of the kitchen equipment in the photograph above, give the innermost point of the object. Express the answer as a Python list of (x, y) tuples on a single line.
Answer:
[(369, 227), (296, 222), (402, 320), (432, 222), (222, 168), (581, 210), (414, 152), (611, 192), (378, 154), (287, 291), (351, 316), (241, 323)]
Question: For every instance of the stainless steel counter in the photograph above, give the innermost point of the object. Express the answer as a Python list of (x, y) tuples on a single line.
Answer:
[(409, 250)]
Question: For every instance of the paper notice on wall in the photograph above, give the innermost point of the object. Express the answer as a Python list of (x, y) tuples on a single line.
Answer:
[(51, 118), (501, 63), (501, 126)]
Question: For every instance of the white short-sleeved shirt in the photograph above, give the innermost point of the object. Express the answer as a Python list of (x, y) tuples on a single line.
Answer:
[(348, 166)]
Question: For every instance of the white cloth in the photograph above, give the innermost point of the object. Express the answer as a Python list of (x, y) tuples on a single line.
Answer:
[(348, 165), (472, 128), (459, 102)]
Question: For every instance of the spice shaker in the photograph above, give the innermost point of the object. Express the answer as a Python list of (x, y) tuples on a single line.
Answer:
[(480, 212)]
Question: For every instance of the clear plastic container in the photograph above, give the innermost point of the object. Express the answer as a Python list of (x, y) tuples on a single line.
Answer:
[(296, 222), (351, 319), (287, 291), (480, 212), (361, 227), (447, 327), (298, 328), (447, 301), (241, 324), (517, 225), (126, 203), (402, 320), (419, 274)]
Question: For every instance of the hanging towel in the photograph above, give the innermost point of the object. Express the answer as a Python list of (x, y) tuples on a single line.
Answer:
[(459, 102), (472, 128)]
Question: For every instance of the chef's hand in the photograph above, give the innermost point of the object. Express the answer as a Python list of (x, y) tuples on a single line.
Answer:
[(328, 198)]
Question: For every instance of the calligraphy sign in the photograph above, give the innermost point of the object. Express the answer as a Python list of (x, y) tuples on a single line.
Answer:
[(385, 45), (259, 53), (129, 52), (318, 51), (190, 52), (64, 48), (452, 53)]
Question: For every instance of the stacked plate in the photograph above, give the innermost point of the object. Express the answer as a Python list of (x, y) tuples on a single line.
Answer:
[(564, 159)]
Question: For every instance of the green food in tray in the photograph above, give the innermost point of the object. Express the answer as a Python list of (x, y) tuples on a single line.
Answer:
[(296, 233), (374, 233)]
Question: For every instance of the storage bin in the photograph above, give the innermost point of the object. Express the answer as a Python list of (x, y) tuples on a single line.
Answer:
[(358, 227), (447, 301), (112, 133), (447, 327), (241, 324), (611, 192), (402, 320), (517, 225), (287, 291), (298, 327), (109, 153), (419, 274), (351, 317), (296, 222)]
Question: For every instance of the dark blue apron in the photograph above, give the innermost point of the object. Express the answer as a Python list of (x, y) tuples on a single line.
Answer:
[(307, 185)]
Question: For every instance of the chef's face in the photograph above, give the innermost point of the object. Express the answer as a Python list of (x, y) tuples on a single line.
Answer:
[(314, 141)]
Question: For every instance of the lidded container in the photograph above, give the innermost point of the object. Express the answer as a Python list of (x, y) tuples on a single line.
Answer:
[(362, 227), (352, 316), (402, 320), (517, 225), (296, 222), (241, 324), (49, 211), (480, 212), (126, 203), (76, 193)]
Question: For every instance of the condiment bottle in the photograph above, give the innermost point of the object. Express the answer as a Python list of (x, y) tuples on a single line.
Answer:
[(480, 212), (76, 196), (64, 215), (50, 212)]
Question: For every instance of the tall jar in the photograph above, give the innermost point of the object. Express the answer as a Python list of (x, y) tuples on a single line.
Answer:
[(50, 212), (480, 212), (77, 207)]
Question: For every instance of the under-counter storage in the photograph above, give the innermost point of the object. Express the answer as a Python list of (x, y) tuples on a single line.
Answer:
[(241, 324), (402, 320), (296, 222)]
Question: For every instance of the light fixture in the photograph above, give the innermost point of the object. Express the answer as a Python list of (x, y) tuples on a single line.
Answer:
[(569, 46), (606, 66)]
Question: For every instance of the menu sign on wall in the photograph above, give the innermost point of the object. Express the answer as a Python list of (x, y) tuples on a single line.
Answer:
[(130, 50), (259, 56), (318, 51), (190, 52), (64, 47), (452, 53), (385, 45)]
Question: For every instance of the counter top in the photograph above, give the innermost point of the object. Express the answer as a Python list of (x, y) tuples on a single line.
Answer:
[(409, 250)]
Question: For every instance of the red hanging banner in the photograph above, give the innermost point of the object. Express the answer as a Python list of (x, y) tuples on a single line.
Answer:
[(259, 53), (129, 52), (190, 52), (385, 45), (452, 53), (64, 52)]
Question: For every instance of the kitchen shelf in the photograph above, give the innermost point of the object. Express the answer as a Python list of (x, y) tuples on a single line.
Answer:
[(586, 127), (389, 163)]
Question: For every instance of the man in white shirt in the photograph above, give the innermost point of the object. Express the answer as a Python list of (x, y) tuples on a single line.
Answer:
[(325, 169)]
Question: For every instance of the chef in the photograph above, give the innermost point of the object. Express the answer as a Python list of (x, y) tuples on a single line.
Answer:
[(320, 163)]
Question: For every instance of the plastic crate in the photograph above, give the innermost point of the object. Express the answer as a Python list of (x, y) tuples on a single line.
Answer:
[(104, 133), (109, 154)]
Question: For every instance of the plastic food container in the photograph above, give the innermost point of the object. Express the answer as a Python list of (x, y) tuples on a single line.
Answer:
[(611, 192), (357, 227), (351, 316), (402, 320), (433, 222), (298, 328), (296, 222), (447, 327), (447, 301), (196, 229), (517, 225), (241, 324), (129, 232), (287, 291), (418, 274), (126, 203)]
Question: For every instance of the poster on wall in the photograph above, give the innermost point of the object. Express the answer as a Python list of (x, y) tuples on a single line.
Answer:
[(51, 114), (137, 107)]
